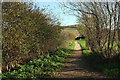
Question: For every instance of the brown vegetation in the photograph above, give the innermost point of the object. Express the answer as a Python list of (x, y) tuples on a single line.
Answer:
[(27, 33)]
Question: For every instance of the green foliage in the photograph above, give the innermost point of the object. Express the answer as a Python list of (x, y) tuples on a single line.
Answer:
[(87, 52), (111, 69), (42, 67), (72, 45)]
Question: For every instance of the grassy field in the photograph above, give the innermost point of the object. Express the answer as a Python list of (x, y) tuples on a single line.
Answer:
[(70, 29)]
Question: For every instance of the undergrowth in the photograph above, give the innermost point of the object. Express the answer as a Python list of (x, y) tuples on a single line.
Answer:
[(108, 68), (42, 67)]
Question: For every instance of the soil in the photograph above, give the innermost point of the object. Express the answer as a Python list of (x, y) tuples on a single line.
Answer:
[(76, 66)]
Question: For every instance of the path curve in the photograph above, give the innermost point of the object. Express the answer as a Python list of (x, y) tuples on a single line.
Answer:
[(77, 67)]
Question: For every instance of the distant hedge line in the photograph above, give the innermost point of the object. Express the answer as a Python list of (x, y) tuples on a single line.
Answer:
[(27, 31)]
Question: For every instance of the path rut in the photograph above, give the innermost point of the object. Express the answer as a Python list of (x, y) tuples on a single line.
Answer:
[(77, 67)]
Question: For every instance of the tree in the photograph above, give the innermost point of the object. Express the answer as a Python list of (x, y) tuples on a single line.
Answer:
[(100, 22)]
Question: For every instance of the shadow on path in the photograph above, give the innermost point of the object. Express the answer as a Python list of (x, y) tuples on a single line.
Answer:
[(76, 66)]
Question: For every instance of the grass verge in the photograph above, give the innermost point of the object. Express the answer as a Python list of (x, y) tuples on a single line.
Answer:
[(109, 69), (82, 43), (42, 67)]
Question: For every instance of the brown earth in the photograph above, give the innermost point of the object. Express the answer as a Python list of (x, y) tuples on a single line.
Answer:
[(76, 66)]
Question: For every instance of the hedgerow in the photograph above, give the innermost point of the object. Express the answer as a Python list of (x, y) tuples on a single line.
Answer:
[(27, 33)]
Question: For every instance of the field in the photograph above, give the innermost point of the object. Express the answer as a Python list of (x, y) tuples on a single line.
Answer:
[(70, 29)]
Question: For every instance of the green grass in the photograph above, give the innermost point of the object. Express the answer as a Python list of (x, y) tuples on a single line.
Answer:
[(87, 52), (115, 47), (82, 43), (109, 69), (42, 67)]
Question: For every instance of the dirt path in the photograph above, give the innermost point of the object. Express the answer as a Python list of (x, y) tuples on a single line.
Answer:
[(77, 67)]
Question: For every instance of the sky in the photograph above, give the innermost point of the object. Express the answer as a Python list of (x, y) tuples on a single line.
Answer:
[(64, 17)]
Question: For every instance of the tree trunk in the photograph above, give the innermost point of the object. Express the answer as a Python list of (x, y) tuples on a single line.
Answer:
[(118, 28)]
